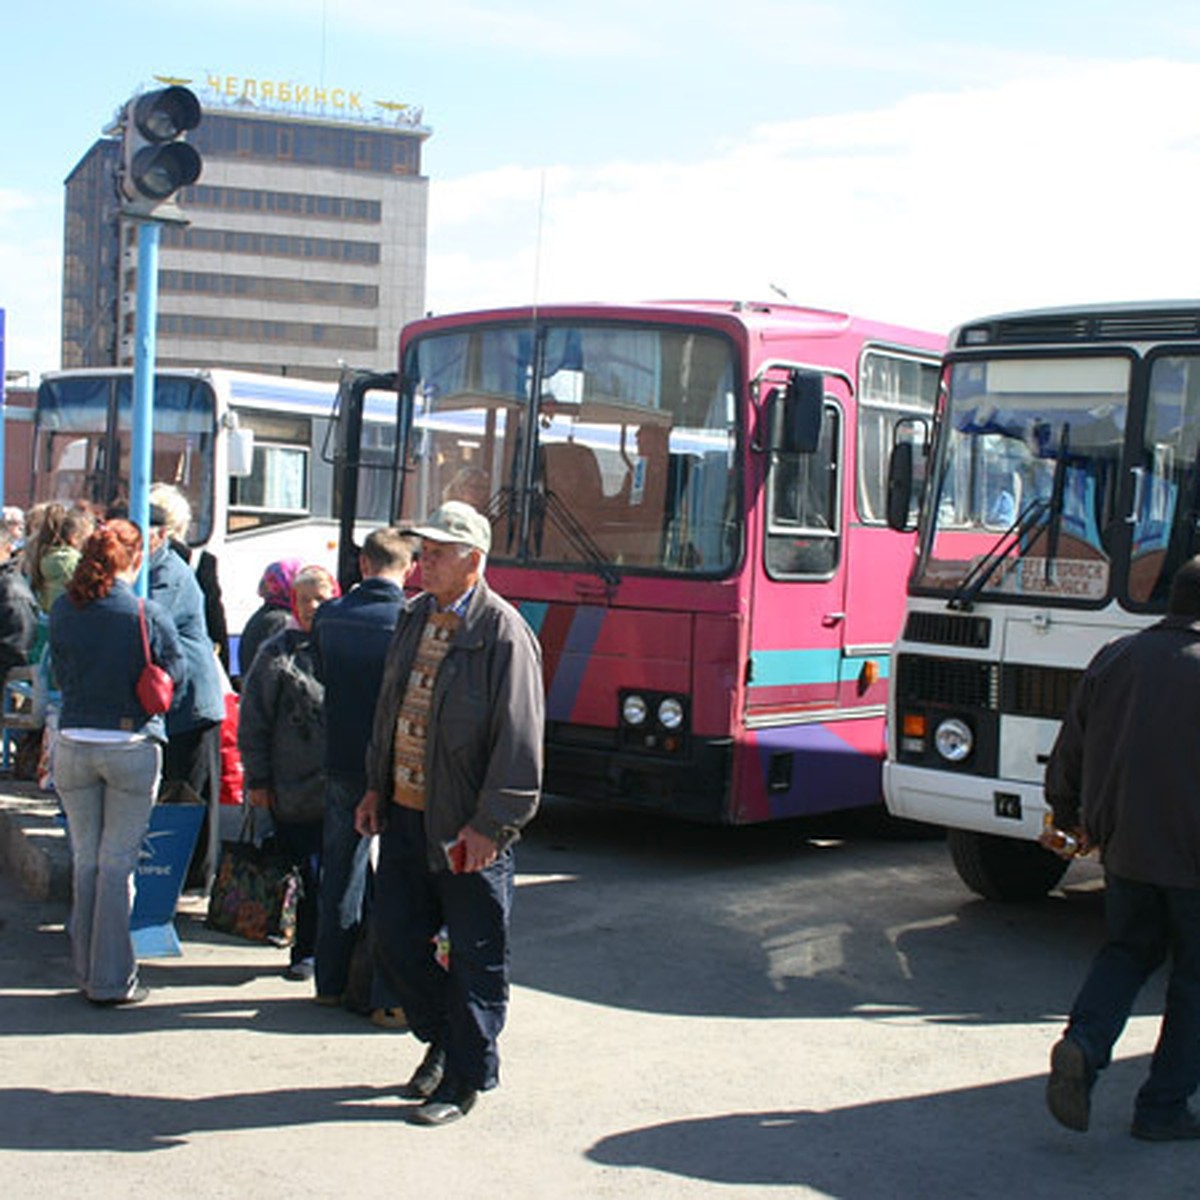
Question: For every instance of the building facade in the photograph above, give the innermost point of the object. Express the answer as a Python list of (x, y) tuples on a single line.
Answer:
[(305, 247)]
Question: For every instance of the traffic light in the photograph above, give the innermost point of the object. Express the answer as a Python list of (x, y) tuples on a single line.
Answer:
[(155, 162)]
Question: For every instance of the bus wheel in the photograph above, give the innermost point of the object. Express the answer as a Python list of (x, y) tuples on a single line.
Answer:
[(1000, 868)]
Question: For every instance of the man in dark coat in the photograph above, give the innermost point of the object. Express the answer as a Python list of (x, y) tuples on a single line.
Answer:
[(351, 636), (1124, 776)]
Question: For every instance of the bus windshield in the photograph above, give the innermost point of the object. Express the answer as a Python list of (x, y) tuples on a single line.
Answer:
[(612, 446), (84, 435), (1030, 460)]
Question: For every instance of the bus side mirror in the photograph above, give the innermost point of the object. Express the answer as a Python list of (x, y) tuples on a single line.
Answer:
[(794, 418), (900, 487), (241, 453)]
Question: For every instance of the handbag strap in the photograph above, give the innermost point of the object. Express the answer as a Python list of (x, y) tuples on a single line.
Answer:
[(145, 635)]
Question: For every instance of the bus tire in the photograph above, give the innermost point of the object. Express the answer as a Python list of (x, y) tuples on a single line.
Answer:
[(1000, 868)]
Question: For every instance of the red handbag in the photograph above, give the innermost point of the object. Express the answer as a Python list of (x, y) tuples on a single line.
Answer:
[(155, 688)]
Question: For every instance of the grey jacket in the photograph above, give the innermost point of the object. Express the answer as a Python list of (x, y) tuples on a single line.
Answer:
[(1126, 765), (483, 756), (281, 726)]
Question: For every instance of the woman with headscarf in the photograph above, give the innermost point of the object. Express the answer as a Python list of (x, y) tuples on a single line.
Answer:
[(281, 735), (271, 617), (108, 756)]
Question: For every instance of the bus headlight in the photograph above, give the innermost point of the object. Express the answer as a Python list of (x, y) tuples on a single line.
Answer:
[(670, 713), (634, 710), (954, 740)]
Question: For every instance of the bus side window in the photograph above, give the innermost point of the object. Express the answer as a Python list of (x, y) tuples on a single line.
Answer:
[(803, 490)]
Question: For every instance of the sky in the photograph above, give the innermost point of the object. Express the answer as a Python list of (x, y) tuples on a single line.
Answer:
[(925, 163)]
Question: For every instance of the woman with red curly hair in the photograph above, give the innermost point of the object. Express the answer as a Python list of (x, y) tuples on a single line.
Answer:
[(108, 756)]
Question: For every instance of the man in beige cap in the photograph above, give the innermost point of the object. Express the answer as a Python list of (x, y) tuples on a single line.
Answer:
[(454, 772)]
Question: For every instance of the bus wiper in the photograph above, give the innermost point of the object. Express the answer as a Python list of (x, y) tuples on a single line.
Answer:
[(1057, 496), (1028, 521), (547, 504)]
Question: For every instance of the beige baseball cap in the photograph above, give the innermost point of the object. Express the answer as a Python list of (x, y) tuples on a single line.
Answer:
[(456, 521)]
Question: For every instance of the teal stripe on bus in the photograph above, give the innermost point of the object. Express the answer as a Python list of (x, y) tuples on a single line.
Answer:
[(792, 668)]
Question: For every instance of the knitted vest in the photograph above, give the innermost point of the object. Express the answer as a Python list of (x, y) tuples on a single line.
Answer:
[(412, 721)]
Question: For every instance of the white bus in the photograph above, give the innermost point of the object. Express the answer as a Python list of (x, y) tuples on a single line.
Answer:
[(257, 456), (1063, 492)]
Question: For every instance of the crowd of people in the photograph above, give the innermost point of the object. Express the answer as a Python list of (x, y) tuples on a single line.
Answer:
[(396, 744)]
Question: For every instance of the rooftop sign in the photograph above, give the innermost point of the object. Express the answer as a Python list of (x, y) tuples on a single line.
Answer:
[(298, 99)]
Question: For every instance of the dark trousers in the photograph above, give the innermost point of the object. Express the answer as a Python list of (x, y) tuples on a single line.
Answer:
[(194, 758), (346, 894), (301, 842), (461, 1009), (1145, 924)]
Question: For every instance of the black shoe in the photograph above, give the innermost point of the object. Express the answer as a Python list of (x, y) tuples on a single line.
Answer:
[(427, 1078), (138, 994), (1184, 1127), (1069, 1088), (451, 1102)]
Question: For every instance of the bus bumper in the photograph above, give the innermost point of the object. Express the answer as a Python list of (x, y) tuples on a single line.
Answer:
[(1001, 807), (695, 784)]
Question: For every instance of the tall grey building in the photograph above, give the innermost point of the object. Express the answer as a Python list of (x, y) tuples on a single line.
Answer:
[(305, 244)]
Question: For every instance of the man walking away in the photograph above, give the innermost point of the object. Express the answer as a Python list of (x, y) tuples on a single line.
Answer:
[(352, 636), (1124, 776), (454, 771)]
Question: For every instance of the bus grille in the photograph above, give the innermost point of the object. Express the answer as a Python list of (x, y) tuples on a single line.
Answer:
[(1032, 691), (950, 682), (948, 629)]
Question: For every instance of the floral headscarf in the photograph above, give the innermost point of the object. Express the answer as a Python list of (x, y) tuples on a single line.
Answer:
[(275, 586)]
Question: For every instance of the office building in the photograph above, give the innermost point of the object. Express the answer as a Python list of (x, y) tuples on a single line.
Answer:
[(305, 243)]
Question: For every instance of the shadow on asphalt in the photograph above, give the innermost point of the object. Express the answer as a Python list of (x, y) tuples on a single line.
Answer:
[(44, 1119), (941, 1145)]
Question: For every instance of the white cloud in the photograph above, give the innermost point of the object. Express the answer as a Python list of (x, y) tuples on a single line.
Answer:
[(1076, 187)]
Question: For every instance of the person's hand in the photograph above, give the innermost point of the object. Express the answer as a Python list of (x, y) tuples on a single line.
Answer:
[(261, 798), (480, 852), (1066, 843), (367, 817)]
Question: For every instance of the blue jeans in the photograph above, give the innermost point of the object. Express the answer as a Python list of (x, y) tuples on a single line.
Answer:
[(107, 791), (1145, 924), (344, 871), (463, 1009)]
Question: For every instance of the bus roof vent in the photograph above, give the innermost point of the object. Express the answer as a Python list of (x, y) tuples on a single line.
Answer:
[(1160, 325), (1050, 328), (1027, 331)]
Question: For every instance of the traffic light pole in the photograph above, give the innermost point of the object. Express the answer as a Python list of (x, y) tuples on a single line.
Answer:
[(142, 418)]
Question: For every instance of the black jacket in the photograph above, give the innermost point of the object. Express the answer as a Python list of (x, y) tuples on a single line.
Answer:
[(351, 635), (18, 618), (1126, 765)]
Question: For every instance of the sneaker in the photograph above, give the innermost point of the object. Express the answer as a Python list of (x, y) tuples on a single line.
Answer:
[(300, 971), (1069, 1088), (451, 1102), (389, 1018), (427, 1078), (1184, 1127), (139, 993)]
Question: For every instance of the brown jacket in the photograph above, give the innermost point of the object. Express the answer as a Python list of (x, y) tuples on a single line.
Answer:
[(483, 756), (1126, 765)]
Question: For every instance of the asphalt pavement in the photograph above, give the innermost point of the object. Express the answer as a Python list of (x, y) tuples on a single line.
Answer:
[(794, 1011)]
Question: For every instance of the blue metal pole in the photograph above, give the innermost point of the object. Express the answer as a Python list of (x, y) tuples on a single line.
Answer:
[(141, 449)]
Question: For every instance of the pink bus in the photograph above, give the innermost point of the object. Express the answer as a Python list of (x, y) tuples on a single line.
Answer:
[(688, 505)]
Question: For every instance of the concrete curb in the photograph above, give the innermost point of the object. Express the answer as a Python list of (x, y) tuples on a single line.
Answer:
[(33, 842)]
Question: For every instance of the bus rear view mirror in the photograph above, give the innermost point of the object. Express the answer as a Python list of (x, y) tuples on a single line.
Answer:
[(241, 452), (900, 488), (795, 413)]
